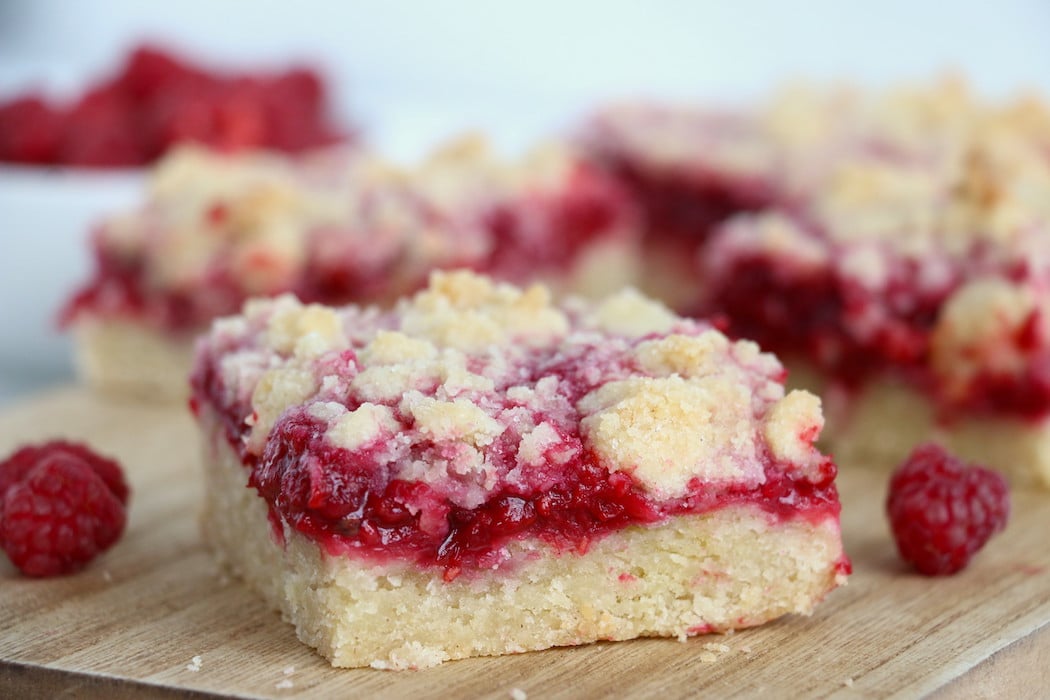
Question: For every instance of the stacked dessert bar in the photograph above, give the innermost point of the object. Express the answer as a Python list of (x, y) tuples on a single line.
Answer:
[(891, 248)]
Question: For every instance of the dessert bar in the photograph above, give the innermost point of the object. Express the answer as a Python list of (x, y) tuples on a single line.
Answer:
[(891, 248), (478, 471), (332, 227)]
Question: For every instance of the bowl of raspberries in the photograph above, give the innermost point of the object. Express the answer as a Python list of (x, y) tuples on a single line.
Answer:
[(156, 100), (66, 162)]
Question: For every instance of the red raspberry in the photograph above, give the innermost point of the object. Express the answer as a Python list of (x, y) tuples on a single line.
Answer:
[(149, 71), (30, 130), (943, 511), (60, 506), (14, 468)]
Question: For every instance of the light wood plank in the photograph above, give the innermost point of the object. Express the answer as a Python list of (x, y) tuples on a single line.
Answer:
[(130, 624)]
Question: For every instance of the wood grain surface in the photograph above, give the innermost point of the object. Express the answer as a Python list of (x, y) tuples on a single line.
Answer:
[(131, 624)]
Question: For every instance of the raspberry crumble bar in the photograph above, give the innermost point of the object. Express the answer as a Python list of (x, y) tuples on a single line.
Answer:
[(335, 228), (478, 471), (891, 247)]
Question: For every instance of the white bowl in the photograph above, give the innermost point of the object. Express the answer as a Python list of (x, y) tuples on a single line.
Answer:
[(46, 216)]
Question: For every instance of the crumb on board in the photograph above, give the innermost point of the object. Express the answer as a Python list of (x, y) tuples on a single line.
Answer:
[(518, 694), (284, 684), (288, 670), (848, 682), (712, 651), (194, 665)]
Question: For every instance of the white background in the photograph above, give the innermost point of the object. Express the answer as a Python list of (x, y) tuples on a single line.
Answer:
[(413, 72)]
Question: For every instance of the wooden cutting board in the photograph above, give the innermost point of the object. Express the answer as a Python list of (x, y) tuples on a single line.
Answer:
[(133, 622)]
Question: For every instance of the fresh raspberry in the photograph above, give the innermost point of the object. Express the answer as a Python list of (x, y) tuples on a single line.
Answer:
[(60, 505), (30, 130), (15, 467), (159, 99), (943, 511), (149, 71)]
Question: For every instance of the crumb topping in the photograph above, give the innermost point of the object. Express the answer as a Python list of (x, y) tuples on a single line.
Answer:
[(217, 229), (631, 314), (458, 420), (791, 426), (247, 211), (981, 330), (395, 347), (311, 330), (360, 427), (467, 170), (669, 401), (667, 431), (468, 313), (277, 390), (932, 171), (272, 219)]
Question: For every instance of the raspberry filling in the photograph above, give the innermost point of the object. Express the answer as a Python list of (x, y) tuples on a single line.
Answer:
[(1025, 392), (804, 312), (345, 502), (825, 317), (118, 289), (848, 331), (688, 206), (550, 230)]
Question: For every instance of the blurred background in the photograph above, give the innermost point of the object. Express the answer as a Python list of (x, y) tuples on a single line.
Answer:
[(410, 73)]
